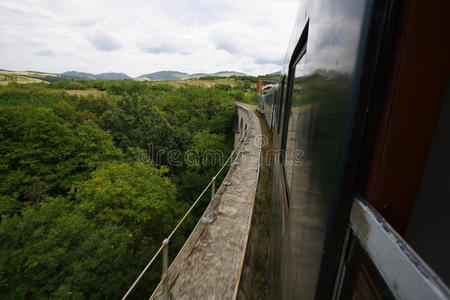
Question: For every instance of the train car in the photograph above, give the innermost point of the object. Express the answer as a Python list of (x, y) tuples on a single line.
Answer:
[(267, 105), (361, 128)]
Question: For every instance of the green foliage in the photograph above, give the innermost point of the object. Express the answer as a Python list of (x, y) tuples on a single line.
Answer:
[(243, 85), (207, 151), (40, 154), (68, 85), (94, 106), (210, 77), (79, 219), (237, 95), (93, 247), (135, 195), (249, 79), (32, 94), (223, 87), (250, 97), (198, 109), (56, 252), (136, 122)]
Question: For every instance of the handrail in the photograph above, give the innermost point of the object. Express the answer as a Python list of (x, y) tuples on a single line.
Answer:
[(165, 242), (142, 273)]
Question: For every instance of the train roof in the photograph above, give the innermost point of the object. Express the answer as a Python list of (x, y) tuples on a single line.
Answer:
[(268, 88)]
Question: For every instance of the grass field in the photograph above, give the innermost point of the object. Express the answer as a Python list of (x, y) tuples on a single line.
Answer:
[(85, 92), (7, 78), (201, 83), (23, 77)]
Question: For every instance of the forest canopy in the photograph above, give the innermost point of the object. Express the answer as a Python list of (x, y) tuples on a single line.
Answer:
[(89, 185)]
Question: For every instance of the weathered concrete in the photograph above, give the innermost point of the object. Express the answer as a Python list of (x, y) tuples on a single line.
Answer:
[(243, 118), (210, 263)]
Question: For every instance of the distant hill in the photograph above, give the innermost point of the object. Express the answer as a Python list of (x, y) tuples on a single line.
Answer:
[(199, 74), (275, 73), (33, 76), (175, 75), (90, 76), (75, 74), (112, 76), (167, 75), (227, 74)]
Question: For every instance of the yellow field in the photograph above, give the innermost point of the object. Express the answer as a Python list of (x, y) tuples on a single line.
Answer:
[(202, 83), (85, 92), (7, 78), (22, 77), (142, 79)]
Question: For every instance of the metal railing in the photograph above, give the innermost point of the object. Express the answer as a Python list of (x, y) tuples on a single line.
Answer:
[(207, 218)]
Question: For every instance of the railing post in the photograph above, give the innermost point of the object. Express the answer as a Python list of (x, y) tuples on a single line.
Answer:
[(165, 267), (213, 189), (209, 217), (236, 160)]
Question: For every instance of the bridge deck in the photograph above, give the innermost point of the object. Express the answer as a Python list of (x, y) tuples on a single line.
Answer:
[(210, 263)]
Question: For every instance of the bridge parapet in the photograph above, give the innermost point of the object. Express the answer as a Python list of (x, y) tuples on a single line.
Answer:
[(243, 121), (210, 262)]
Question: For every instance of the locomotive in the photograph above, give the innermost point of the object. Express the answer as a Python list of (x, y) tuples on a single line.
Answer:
[(360, 120)]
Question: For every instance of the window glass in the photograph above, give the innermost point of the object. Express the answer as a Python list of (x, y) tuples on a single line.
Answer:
[(299, 127), (280, 102)]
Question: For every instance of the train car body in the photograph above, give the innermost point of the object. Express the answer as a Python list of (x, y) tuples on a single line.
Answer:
[(352, 133), (267, 105)]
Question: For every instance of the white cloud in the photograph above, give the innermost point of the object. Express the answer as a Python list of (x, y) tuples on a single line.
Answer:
[(44, 52), (143, 36), (104, 42)]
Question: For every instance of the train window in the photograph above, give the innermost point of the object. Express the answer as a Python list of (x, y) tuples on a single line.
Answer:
[(293, 154), (298, 122), (281, 98)]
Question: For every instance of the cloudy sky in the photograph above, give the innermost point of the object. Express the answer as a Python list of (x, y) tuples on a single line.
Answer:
[(143, 36)]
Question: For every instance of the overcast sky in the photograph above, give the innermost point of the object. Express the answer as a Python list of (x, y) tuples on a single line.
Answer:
[(144, 36)]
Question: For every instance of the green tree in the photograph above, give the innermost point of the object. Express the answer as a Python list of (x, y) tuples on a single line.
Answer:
[(136, 122), (55, 252), (95, 106), (136, 195), (41, 154), (32, 94), (95, 246), (79, 220)]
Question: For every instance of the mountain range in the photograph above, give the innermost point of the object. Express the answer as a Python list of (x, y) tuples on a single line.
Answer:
[(34, 76), (103, 76), (161, 75), (175, 75)]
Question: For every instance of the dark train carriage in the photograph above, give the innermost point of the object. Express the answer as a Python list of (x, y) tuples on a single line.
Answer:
[(361, 122), (267, 105)]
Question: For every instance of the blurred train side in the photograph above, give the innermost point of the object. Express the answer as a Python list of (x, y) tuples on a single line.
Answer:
[(330, 112)]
